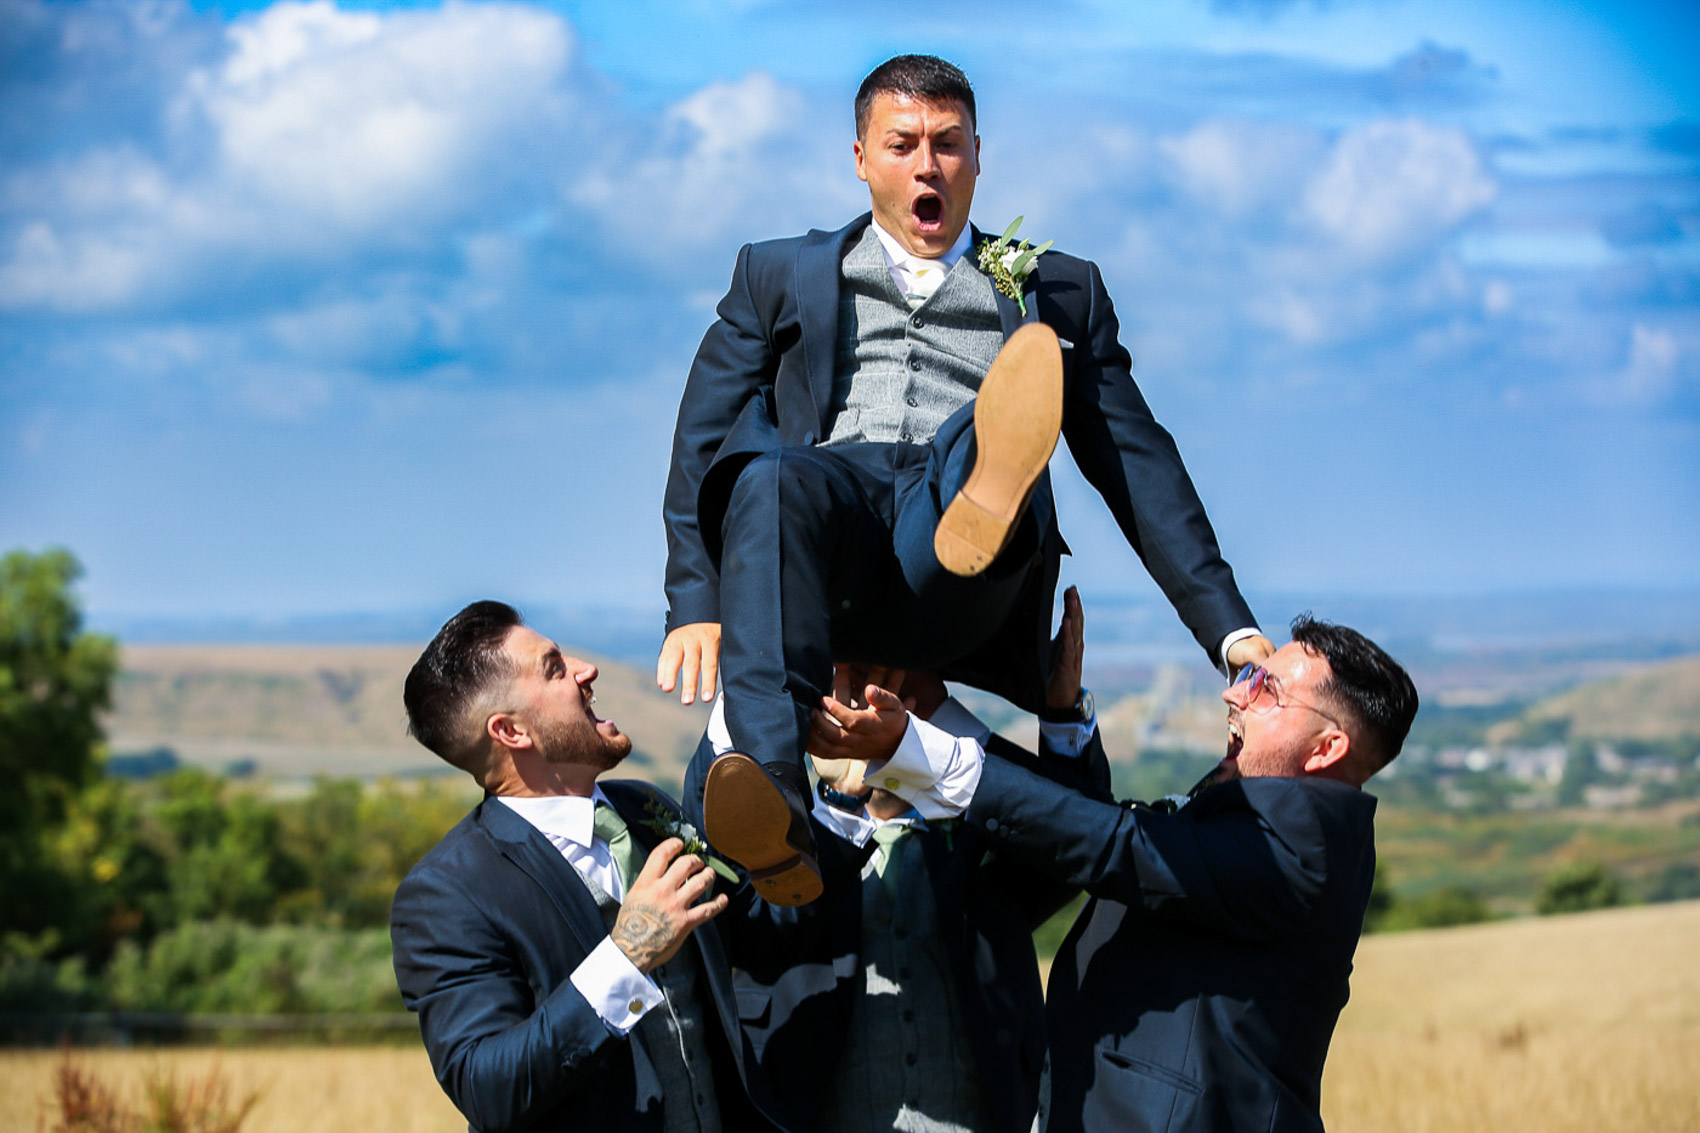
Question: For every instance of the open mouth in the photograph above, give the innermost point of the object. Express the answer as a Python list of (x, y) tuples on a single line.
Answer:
[(928, 211), (1236, 738)]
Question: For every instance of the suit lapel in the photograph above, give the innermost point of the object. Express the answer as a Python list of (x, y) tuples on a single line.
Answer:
[(521, 844), (816, 289)]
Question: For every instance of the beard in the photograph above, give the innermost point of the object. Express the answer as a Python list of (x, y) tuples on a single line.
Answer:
[(581, 743)]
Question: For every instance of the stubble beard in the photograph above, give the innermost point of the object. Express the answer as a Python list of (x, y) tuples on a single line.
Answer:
[(580, 744)]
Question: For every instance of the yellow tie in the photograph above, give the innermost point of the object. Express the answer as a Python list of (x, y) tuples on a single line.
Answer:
[(924, 278)]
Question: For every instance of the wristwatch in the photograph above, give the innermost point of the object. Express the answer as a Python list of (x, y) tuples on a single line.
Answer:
[(1079, 713), (851, 804)]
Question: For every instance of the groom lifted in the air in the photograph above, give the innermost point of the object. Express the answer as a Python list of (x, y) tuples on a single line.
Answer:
[(859, 468)]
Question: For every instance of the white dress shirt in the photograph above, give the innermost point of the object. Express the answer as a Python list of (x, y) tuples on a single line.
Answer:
[(906, 268), (607, 978)]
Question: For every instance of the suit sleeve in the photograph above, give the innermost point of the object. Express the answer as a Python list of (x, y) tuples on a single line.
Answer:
[(502, 1056), (1245, 857), (1132, 461), (733, 364), (1041, 893)]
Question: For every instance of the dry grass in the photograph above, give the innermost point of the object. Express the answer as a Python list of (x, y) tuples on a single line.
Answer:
[(1585, 1023), (358, 1090)]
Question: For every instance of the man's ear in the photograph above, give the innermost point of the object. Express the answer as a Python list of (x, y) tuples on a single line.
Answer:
[(507, 731), (977, 155), (861, 155), (1329, 755)]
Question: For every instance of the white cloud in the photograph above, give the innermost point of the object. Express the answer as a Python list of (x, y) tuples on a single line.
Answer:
[(359, 118), (1391, 186), (1235, 167), (743, 157)]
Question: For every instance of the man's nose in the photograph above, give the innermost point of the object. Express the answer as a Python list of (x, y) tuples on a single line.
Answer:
[(926, 162), (583, 671)]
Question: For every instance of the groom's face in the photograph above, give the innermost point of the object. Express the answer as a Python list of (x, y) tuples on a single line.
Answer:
[(920, 160)]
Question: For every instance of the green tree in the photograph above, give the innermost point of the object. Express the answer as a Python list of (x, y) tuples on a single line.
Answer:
[(54, 681), (1578, 887)]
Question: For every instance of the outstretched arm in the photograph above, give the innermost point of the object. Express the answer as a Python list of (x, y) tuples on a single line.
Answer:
[(1132, 461)]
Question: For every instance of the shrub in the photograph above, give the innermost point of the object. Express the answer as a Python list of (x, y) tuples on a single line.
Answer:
[(1438, 908), (225, 966), (1578, 887)]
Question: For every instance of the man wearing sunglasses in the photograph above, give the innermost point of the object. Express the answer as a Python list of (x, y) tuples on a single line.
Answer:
[(1201, 984)]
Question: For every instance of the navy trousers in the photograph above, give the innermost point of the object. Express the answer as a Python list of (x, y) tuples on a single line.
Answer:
[(828, 555)]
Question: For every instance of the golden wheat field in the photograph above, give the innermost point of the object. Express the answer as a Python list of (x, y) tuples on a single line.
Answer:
[(1587, 1022)]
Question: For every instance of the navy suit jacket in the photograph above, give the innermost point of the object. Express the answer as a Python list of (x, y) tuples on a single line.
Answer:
[(799, 971), (487, 930), (1200, 986), (763, 378)]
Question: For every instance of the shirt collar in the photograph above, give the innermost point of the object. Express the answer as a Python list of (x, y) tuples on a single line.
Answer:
[(896, 253), (566, 817)]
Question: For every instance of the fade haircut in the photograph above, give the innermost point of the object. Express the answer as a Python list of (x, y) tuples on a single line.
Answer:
[(924, 77), (1366, 682), (465, 661)]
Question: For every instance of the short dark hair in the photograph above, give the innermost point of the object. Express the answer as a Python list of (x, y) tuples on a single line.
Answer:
[(462, 662), (924, 77), (1366, 682)]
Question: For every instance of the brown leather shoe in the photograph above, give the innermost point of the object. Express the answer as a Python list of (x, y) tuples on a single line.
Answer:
[(758, 815), (1017, 418)]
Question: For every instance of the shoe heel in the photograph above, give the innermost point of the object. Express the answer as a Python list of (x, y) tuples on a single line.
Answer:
[(968, 537), (789, 884)]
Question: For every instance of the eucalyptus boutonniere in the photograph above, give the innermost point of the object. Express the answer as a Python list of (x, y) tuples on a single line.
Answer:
[(668, 825), (1009, 264)]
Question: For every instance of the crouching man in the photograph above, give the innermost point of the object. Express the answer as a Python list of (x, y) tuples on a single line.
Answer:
[(556, 947)]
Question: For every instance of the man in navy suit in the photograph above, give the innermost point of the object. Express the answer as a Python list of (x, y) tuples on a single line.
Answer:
[(908, 997), (1201, 984), (859, 468), (556, 949)]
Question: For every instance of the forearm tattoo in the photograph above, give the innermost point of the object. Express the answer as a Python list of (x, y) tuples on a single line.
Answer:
[(642, 933)]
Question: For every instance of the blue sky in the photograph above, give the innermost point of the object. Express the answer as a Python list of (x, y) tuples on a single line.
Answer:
[(309, 308)]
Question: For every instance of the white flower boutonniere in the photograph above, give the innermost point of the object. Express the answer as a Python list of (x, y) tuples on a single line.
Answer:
[(668, 826), (1009, 264)]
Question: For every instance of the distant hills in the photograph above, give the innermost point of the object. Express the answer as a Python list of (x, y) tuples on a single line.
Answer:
[(296, 711), (1660, 702)]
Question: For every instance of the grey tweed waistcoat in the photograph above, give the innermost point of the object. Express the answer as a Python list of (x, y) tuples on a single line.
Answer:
[(673, 1037), (899, 373), (907, 1063)]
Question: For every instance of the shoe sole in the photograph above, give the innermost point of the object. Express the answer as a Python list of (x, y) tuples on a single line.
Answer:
[(746, 818), (1017, 418)]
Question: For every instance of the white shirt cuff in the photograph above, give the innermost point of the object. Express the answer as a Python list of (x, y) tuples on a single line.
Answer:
[(855, 828), (932, 770), (1228, 643), (614, 987), (1068, 739)]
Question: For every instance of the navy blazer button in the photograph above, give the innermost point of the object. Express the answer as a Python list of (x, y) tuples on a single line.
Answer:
[(808, 438), (992, 824)]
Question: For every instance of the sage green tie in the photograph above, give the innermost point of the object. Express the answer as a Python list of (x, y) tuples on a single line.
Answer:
[(890, 837), (607, 825)]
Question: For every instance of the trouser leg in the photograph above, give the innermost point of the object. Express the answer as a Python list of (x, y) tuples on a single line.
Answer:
[(803, 532)]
